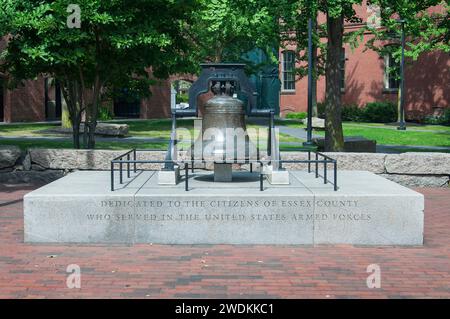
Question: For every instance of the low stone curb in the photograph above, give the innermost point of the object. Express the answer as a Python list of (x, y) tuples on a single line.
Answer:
[(45, 165)]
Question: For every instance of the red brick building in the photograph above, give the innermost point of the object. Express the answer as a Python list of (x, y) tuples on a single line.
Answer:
[(366, 79)]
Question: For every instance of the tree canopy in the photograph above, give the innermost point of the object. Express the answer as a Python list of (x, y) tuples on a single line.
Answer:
[(224, 30), (427, 27)]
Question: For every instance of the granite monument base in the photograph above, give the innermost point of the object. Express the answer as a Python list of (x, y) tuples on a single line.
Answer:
[(169, 177), (366, 210)]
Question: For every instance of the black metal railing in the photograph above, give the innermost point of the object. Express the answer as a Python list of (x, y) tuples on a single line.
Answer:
[(125, 159)]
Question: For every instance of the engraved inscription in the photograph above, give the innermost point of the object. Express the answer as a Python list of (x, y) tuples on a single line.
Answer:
[(230, 211)]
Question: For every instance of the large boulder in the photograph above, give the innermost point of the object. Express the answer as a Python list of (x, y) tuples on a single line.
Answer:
[(26, 162), (317, 123), (54, 158), (9, 155), (35, 177), (111, 129), (371, 162), (70, 159), (418, 163)]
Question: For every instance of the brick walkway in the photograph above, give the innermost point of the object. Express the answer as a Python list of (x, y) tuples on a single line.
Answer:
[(209, 271)]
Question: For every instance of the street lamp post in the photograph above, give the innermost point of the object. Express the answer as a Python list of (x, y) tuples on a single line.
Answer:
[(402, 125), (310, 83)]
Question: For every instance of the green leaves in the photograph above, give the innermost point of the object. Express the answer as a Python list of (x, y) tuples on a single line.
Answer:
[(224, 30), (116, 37), (426, 26)]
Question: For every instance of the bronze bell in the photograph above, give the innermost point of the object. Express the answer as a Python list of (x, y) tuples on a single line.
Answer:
[(224, 137)]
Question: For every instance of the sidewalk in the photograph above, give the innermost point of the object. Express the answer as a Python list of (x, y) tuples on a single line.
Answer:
[(223, 271)]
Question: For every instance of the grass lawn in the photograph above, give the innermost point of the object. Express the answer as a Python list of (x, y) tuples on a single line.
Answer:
[(391, 136), (159, 129), (26, 129), (387, 134), (146, 128), (409, 127), (290, 123)]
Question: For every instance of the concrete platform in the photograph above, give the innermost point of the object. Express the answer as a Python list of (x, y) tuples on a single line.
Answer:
[(366, 210)]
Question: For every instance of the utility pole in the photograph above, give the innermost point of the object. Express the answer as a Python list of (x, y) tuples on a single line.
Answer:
[(310, 84), (402, 125)]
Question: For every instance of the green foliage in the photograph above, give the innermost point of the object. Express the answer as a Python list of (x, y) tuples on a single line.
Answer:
[(352, 113), (374, 112), (224, 30), (104, 114), (182, 98), (425, 30), (443, 119), (380, 112), (297, 115)]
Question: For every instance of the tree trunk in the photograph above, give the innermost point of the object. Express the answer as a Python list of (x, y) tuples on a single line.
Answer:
[(85, 135), (334, 138), (91, 134), (65, 115), (76, 136), (92, 111), (72, 103)]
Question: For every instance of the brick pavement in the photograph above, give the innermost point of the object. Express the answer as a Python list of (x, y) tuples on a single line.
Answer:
[(223, 271)]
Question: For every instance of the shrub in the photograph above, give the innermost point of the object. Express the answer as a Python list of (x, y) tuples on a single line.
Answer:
[(352, 112), (380, 112), (104, 114), (182, 98), (446, 117), (296, 115), (443, 119)]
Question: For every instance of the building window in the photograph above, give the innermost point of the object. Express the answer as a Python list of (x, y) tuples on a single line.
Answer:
[(288, 71), (342, 69), (391, 72)]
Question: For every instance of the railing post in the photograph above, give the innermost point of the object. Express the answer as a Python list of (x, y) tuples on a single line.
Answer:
[(112, 177), (317, 166), (309, 161), (121, 171), (261, 180), (335, 176), (128, 165), (325, 171), (192, 159), (134, 159), (186, 177)]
